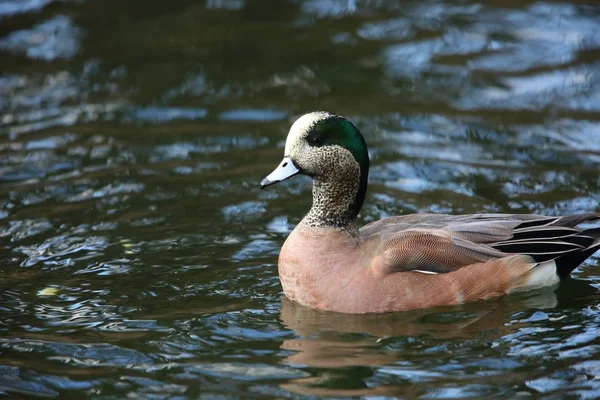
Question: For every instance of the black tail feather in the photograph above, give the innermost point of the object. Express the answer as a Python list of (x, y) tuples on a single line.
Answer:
[(555, 238), (567, 263), (547, 232)]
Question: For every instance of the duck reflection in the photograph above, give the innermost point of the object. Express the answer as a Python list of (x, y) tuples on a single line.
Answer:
[(330, 341)]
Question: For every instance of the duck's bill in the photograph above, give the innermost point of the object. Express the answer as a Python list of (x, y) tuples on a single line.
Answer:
[(286, 169)]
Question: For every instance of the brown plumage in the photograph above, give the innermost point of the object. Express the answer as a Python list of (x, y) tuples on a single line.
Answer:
[(412, 261)]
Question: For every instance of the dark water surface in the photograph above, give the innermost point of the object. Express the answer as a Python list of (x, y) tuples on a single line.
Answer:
[(138, 254)]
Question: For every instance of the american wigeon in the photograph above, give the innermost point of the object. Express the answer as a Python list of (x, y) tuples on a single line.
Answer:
[(410, 261)]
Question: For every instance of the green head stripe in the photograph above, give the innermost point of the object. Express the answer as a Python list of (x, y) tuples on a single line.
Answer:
[(339, 131)]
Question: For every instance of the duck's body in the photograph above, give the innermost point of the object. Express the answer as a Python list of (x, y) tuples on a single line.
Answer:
[(413, 261), (423, 260)]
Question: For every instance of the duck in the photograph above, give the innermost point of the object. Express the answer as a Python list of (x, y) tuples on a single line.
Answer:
[(406, 262)]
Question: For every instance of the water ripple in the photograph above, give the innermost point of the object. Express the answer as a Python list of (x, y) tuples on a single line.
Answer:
[(53, 39), (62, 251)]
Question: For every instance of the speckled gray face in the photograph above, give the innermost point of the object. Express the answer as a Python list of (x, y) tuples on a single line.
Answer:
[(332, 151), (296, 150)]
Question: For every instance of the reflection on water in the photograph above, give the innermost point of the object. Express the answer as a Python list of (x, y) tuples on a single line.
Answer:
[(52, 39), (428, 345), (138, 255)]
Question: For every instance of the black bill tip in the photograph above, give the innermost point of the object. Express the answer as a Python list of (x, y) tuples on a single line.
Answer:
[(266, 182)]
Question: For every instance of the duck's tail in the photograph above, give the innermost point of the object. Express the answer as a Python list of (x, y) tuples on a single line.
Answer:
[(555, 241), (567, 263)]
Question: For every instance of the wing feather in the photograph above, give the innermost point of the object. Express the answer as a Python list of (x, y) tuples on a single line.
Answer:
[(439, 243)]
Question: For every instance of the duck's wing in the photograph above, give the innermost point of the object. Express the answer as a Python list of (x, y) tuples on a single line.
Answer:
[(432, 251), (482, 228), (431, 243)]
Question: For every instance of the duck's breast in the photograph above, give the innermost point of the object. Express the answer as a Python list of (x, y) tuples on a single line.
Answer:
[(325, 269)]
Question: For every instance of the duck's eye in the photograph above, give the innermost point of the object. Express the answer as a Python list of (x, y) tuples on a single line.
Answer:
[(315, 140)]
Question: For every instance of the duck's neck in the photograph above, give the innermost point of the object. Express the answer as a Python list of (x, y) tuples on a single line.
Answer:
[(337, 202)]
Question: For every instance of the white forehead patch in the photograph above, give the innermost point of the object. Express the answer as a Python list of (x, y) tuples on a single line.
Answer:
[(301, 126)]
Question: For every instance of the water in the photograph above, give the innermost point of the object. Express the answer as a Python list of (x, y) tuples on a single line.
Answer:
[(138, 254)]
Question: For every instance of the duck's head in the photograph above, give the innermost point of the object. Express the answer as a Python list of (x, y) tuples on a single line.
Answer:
[(321, 145), (332, 151)]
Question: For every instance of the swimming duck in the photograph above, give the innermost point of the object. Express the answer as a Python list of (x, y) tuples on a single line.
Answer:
[(410, 261)]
